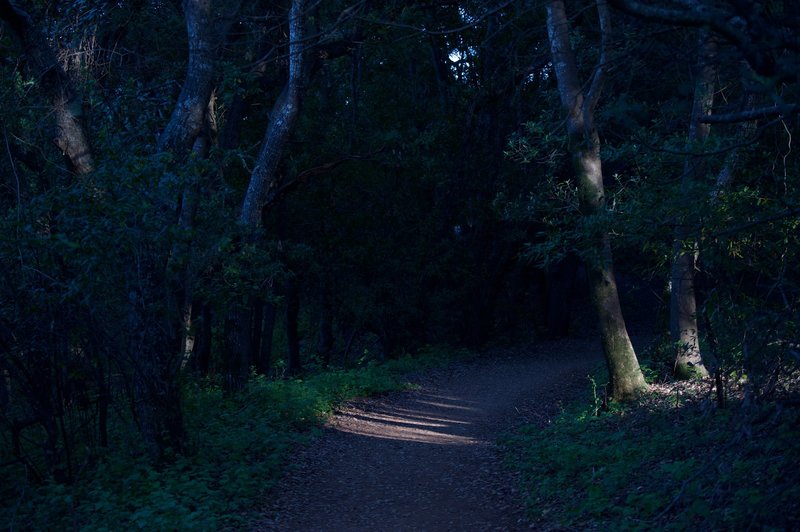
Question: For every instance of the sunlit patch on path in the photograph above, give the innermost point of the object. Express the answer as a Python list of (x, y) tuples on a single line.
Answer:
[(425, 418), (427, 459)]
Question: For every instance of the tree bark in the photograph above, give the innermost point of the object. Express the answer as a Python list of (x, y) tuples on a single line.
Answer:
[(281, 123), (325, 340), (155, 355), (584, 145), (70, 135), (293, 363), (189, 114), (684, 332), (238, 337), (264, 359), (160, 338), (264, 179)]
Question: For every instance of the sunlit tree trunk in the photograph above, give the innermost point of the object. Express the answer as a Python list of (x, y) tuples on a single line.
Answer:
[(584, 145), (683, 300)]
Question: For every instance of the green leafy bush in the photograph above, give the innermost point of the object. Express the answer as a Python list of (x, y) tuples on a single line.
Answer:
[(662, 466), (239, 444)]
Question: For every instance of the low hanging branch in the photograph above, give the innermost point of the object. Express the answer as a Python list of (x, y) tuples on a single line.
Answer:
[(276, 194), (752, 114), (720, 20), (789, 213)]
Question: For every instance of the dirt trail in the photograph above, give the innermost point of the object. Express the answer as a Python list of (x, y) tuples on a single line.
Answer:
[(427, 460)]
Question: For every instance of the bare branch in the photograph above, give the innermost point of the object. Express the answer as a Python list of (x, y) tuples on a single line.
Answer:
[(752, 114), (596, 87), (274, 195), (698, 16)]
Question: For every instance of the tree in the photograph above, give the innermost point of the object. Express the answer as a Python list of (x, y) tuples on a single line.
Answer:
[(684, 330), (264, 184), (70, 135), (584, 146)]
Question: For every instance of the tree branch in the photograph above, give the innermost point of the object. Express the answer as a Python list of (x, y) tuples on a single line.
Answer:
[(752, 114), (278, 193), (774, 218), (698, 16), (599, 76)]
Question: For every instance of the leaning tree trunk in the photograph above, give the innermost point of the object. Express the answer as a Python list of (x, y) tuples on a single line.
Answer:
[(584, 145), (683, 300), (70, 135), (264, 184)]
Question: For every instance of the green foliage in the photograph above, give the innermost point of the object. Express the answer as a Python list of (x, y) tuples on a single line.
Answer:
[(661, 465), (239, 444)]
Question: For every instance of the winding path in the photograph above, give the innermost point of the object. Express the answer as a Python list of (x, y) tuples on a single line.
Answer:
[(427, 460)]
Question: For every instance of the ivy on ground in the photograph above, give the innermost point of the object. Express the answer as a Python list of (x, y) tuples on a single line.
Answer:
[(667, 463)]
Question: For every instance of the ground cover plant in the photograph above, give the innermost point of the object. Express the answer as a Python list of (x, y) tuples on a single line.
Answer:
[(672, 461), (239, 445)]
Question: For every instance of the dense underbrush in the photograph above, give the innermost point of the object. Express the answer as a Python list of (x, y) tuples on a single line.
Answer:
[(238, 447), (673, 461)]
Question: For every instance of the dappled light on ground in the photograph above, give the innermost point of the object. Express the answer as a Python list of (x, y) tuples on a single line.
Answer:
[(428, 459), (430, 418)]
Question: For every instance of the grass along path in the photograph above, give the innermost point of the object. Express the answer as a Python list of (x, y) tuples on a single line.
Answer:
[(427, 459)]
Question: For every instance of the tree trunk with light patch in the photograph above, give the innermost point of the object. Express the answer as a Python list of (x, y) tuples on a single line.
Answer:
[(70, 135), (584, 146), (684, 331)]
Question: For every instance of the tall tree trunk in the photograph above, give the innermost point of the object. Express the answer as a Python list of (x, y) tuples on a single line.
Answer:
[(160, 336), (264, 181), (684, 331), (560, 287), (264, 359), (584, 145), (201, 362), (189, 116), (238, 351), (325, 340), (155, 355), (70, 135), (293, 364), (281, 123)]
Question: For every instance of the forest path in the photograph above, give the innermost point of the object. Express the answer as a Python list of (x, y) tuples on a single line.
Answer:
[(427, 459)]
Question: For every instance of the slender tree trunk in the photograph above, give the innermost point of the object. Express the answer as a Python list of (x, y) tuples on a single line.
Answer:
[(155, 355), (325, 341), (205, 27), (202, 357), (264, 181), (584, 145), (560, 286), (160, 336), (281, 123), (238, 335), (293, 363), (258, 331), (267, 333), (744, 130), (684, 331)]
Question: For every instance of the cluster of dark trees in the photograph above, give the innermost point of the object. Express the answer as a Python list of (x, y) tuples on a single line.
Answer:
[(215, 187)]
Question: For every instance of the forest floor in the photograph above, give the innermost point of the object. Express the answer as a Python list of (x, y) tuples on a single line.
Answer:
[(429, 458)]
